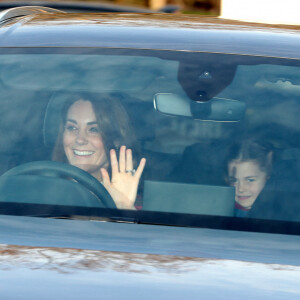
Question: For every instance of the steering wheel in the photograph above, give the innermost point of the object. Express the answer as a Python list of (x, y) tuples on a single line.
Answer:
[(58, 169)]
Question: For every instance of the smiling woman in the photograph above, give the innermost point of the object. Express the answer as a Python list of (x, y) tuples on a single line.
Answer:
[(91, 131)]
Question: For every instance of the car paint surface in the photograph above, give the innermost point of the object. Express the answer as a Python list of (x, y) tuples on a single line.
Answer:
[(86, 258), (151, 239), (151, 31), (72, 273)]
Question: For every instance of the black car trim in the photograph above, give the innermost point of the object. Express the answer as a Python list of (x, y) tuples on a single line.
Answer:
[(151, 218)]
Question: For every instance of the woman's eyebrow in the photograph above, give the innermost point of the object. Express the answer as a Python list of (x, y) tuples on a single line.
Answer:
[(88, 123), (72, 121), (92, 123)]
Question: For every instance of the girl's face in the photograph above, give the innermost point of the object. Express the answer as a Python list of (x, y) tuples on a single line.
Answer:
[(82, 141), (248, 180)]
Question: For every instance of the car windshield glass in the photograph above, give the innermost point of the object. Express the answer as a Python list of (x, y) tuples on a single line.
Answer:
[(220, 133)]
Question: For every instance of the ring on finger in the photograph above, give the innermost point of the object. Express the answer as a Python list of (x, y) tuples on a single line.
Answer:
[(131, 171)]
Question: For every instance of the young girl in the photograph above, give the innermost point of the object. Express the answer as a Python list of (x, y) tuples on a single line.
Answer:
[(249, 167)]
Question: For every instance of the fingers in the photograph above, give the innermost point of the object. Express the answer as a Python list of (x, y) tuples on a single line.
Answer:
[(129, 163), (140, 168), (122, 159), (125, 162), (114, 162)]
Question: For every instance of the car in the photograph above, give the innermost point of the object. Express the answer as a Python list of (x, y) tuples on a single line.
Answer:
[(192, 88)]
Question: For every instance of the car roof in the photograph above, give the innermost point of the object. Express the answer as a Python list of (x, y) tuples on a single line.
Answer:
[(151, 31)]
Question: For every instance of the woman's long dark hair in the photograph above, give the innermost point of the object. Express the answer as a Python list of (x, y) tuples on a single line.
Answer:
[(112, 119)]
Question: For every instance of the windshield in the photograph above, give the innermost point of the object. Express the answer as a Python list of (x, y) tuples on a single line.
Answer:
[(210, 134)]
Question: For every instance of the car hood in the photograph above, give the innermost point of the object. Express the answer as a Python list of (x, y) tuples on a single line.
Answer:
[(40, 271), (47, 258)]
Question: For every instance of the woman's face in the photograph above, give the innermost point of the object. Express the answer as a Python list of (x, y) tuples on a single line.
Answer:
[(248, 180), (82, 141)]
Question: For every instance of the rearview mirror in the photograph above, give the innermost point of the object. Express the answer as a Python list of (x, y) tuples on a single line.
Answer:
[(216, 109)]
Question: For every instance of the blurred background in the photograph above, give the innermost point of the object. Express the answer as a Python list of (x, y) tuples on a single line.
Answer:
[(262, 11), (203, 7)]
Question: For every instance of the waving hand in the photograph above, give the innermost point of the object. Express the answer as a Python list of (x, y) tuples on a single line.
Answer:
[(124, 181)]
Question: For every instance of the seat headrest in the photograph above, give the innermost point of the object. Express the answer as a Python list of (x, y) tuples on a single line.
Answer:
[(52, 118)]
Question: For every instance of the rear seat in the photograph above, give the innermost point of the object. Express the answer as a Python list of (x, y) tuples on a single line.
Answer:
[(202, 163)]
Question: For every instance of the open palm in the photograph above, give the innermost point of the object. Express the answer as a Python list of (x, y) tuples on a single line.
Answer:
[(123, 184)]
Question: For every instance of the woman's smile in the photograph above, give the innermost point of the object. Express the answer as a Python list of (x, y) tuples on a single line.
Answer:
[(83, 152)]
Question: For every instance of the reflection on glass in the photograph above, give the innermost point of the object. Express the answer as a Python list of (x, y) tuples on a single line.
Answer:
[(181, 150)]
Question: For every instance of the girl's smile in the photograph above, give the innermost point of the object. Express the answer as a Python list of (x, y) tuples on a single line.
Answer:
[(248, 180)]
